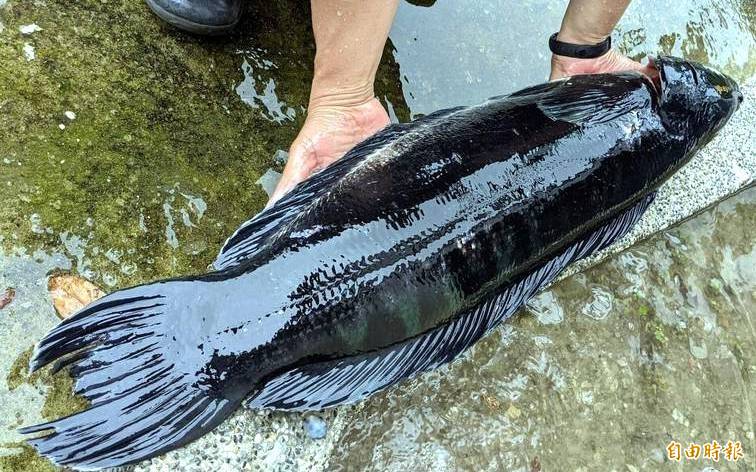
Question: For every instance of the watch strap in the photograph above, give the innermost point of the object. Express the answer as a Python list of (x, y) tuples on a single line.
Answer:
[(579, 51)]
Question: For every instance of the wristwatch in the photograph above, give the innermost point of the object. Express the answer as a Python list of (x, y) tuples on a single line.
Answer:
[(579, 51)]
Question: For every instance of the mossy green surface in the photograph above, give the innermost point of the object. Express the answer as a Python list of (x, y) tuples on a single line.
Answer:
[(19, 370), (27, 460), (59, 399), (159, 164), (59, 402), (157, 117)]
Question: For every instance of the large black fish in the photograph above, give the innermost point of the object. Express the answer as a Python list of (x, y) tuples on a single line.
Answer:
[(391, 261)]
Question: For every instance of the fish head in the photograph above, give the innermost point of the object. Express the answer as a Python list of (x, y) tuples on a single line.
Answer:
[(694, 100)]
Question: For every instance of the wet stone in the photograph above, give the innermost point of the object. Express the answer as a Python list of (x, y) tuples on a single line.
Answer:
[(281, 157), (546, 308), (29, 29), (315, 427), (269, 180)]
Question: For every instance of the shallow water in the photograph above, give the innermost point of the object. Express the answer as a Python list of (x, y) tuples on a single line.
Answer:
[(600, 372), (457, 53), (129, 152)]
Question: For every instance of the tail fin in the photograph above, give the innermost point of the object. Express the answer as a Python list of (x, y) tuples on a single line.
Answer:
[(126, 361)]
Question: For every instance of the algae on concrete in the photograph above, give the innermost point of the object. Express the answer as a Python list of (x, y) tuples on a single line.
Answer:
[(126, 144), (25, 399), (59, 399), (27, 460)]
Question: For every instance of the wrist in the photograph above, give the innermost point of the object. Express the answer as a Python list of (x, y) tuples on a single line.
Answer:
[(338, 83), (330, 92), (567, 61), (577, 35), (566, 50), (612, 61)]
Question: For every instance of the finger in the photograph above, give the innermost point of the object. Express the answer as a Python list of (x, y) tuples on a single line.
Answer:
[(293, 173), (297, 169), (285, 185)]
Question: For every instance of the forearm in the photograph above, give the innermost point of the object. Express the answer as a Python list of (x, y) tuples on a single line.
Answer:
[(591, 21), (350, 36)]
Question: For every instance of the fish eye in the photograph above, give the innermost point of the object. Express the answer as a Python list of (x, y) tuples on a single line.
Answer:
[(719, 83), (723, 89)]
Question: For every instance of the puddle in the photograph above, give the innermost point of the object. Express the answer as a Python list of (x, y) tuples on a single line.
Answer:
[(459, 53)]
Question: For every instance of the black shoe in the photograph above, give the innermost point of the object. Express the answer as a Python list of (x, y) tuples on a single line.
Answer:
[(199, 16)]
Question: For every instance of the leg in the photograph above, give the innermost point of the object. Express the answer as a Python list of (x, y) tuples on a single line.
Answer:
[(349, 36)]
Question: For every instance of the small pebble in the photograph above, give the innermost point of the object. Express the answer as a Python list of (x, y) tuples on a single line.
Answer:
[(70, 115), (315, 427), (62, 126), (29, 29), (281, 157), (29, 52)]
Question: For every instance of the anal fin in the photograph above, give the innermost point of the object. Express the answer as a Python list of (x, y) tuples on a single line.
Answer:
[(344, 381)]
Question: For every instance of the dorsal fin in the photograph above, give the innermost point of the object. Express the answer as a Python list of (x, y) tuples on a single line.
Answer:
[(534, 90), (437, 115), (348, 380), (574, 102), (252, 235)]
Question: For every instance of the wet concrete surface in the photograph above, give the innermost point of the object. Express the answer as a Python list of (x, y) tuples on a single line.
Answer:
[(129, 152), (601, 372)]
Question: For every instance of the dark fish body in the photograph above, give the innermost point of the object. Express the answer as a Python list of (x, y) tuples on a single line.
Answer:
[(389, 262)]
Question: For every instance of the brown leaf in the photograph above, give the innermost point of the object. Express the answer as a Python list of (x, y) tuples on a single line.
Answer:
[(7, 297), (70, 293), (535, 465)]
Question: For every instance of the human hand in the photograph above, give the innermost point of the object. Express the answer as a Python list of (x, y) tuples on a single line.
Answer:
[(349, 37), (612, 61), (332, 128)]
